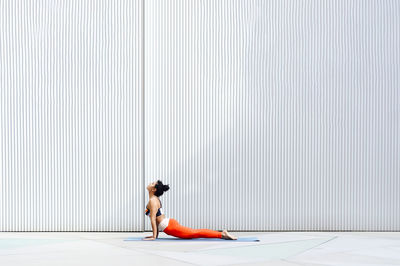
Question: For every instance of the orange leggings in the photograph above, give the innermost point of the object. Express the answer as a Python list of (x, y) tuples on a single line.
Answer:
[(177, 230)]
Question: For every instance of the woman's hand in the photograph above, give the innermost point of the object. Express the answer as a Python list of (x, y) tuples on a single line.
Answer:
[(149, 238)]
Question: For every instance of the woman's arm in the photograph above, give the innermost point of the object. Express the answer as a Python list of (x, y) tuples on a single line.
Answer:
[(153, 212)]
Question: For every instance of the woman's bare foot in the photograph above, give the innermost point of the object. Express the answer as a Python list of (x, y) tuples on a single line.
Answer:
[(226, 235)]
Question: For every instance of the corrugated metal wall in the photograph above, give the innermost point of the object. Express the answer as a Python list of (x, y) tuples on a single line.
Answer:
[(260, 115), (274, 115), (71, 115)]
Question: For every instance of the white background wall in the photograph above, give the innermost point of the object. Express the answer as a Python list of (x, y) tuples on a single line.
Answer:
[(71, 116), (274, 115), (260, 115)]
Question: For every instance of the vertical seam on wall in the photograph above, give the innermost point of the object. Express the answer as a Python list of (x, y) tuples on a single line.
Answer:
[(144, 218)]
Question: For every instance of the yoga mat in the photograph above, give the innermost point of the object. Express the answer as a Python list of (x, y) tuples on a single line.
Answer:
[(240, 239)]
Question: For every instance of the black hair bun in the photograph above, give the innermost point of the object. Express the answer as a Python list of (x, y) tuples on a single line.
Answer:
[(161, 188), (165, 188)]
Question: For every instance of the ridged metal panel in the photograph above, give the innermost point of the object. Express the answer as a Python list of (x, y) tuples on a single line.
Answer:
[(71, 115), (274, 115), (261, 115)]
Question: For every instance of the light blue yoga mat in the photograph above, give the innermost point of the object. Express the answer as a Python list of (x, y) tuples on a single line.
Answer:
[(240, 239)]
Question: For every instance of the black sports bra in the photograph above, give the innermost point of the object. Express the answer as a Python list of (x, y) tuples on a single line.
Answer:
[(159, 212)]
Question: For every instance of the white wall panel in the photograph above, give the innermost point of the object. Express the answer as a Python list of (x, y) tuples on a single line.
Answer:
[(274, 115), (71, 115), (261, 115)]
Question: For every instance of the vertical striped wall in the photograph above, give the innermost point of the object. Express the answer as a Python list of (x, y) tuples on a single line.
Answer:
[(260, 115), (71, 115), (274, 115)]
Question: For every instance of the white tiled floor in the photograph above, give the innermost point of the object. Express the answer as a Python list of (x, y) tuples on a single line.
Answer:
[(274, 248)]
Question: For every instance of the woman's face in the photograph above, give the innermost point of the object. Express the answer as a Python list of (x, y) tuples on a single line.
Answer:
[(151, 186)]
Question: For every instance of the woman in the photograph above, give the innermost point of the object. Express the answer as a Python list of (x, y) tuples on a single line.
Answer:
[(170, 226)]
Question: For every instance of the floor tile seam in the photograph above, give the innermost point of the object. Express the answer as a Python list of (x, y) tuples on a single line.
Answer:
[(351, 250), (266, 244), (308, 249), (196, 254), (146, 251), (257, 261)]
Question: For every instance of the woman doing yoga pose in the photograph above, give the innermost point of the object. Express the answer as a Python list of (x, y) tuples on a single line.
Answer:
[(170, 226)]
